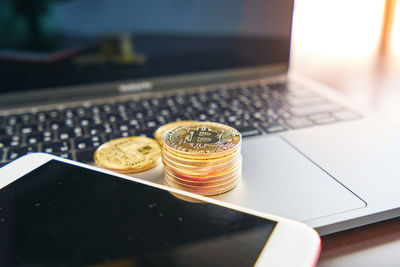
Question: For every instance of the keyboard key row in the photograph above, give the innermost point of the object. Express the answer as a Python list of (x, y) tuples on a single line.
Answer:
[(76, 132)]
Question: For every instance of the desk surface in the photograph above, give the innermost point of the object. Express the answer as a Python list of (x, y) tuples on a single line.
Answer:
[(377, 244)]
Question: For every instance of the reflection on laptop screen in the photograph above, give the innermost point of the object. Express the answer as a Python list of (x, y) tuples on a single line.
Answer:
[(170, 37), (207, 17)]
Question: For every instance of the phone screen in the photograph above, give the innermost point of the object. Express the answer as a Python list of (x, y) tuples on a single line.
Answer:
[(65, 215)]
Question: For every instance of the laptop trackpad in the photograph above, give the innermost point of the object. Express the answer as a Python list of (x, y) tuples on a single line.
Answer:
[(278, 179)]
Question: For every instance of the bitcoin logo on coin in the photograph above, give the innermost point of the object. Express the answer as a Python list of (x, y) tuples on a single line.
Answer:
[(158, 134), (206, 136), (128, 154), (202, 139)]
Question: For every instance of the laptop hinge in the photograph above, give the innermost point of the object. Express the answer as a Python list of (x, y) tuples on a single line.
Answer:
[(102, 90)]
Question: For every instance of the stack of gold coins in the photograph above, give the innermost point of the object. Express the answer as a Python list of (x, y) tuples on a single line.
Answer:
[(202, 157)]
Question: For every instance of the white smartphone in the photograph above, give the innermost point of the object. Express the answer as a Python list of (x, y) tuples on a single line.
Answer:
[(57, 212)]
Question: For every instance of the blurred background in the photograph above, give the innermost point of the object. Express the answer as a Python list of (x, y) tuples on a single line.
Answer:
[(24, 20), (351, 45)]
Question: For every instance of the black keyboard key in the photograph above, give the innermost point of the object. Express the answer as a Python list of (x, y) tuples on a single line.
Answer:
[(47, 115), (160, 120), (248, 131), (48, 136), (98, 129), (67, 123), (5, 141), (65, 155), (98, 120), (115, 118), (278, 86), (258, 116), (151, 124), (85, 156), (322, 118), (85, 122), (35, 138), (81, 111), (78, 132), (242, 124), (145, 133), (299, 122), (181, 117), (13, 120), (56, 125), (53, 114), (123, 127), (117, 134), (85, 143), (8, 130), (14, 153), (112, 108), (57, 147), (203, 117), (41, 117), (65, 134), (26, 118), (273, 127), (135, 123), (32, 128), (69, 113), (164, 111), (314, 109), (16, 141), (28, 129)]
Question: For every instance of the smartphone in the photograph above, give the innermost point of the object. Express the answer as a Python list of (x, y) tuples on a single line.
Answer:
[(57, 212)]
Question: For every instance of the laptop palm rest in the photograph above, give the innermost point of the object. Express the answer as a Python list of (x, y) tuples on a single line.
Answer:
[(278, 179)]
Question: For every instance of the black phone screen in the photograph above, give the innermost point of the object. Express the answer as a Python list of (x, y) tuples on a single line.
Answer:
[(64, 215)]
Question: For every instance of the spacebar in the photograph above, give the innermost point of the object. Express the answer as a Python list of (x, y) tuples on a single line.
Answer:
[(308, 110)]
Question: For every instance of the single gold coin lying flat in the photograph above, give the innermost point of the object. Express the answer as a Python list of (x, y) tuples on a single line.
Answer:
[(128, 154), (158, 135), (202, 139)]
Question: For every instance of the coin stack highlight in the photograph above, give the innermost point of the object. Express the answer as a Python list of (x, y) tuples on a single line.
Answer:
[(202, 157)]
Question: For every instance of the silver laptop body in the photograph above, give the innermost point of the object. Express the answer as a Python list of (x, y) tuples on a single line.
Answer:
[(332, 166)]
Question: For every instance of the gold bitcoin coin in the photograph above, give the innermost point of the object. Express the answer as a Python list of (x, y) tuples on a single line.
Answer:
[(204, 181), (128, 154), (205, 191), (202, 171), (158, 135), (200, 162), (207, 174), (202, 139)]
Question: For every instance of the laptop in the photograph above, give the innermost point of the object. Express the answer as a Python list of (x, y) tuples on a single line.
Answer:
[(308, 154)]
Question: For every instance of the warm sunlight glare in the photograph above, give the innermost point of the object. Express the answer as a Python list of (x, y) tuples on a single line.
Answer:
[(396, 32), (337, 29)]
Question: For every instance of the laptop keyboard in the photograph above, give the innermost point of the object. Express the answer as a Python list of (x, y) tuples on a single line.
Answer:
[(75, 132)]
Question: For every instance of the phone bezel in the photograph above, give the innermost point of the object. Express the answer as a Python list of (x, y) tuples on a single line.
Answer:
[(291, 243)]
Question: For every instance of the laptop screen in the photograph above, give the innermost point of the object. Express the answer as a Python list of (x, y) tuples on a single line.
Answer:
[(74, 42)]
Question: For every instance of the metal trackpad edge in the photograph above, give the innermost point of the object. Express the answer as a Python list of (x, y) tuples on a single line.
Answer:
[(278, 179)]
